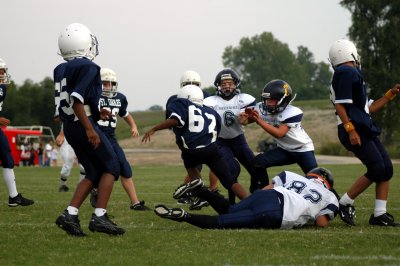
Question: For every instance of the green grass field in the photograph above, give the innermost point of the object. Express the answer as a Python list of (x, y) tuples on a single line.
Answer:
[(29, 236)]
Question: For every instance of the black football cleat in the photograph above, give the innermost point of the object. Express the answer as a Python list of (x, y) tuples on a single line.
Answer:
[(70, 224), (104, 225), (385, 219), (347, 214), (139, 206), (185, 188), (198, 204), (63, 188), (185, 200), (176, 214), (19, 200)]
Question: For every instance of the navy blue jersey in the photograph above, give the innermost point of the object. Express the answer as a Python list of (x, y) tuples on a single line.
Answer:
[(117, 105), (79, 82), (198, 125), (174, 97), (349, 89), (3, 91)]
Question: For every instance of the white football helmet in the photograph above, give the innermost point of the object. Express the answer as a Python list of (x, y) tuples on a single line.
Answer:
[(343, 51), (4, 76), (108, 75), (76, 40), (190, 77), (193, 93)]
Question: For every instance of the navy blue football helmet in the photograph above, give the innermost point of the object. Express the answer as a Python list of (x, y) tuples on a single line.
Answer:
[(227, 74), (279, 90)]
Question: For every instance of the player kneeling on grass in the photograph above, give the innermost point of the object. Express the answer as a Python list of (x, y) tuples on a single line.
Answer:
[(290, 201), (196, 127)]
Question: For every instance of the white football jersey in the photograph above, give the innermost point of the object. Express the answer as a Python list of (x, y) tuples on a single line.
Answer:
[(296, 139), (304, 199), (229, 111)]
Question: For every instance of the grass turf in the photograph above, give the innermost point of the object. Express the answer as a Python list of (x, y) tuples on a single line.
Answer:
[(29, 236)]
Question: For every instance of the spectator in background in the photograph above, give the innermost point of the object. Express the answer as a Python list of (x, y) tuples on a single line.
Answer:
[(54, 156), (47, 154)]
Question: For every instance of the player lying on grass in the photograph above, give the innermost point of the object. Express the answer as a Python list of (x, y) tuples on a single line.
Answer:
[(290, 201)]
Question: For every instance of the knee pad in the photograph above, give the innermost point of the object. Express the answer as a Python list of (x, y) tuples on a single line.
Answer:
[(378, 172), (235, 168)]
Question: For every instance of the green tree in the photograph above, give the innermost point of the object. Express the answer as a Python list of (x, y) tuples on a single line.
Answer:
[(155, 108), (376, 31), (262, 58), (31, 104)]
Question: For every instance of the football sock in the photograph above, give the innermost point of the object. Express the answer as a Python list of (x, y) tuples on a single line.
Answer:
[(346, 200), (9, 178), (217, 201), (99, 212), (202, 221), (72, 210), (380, 207)]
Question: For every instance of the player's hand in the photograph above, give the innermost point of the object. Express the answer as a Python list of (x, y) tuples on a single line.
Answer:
[(105, 114), (93, 138), (396, 89), (253, 114), (354, 138), (60, 140), (243, 118), (146, 136), (4, 121), (134, 132)]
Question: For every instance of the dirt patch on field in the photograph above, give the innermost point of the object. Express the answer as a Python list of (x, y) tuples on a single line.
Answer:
[(321, 126), (163, 150)]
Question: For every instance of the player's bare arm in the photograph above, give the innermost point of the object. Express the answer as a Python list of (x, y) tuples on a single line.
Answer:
[(389, 95), (131, 122), (169, 123), (277, 132), (4, 121), (353, 135)]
